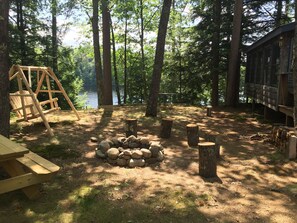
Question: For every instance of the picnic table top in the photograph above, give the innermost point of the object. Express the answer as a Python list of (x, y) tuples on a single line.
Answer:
[(10, 150)]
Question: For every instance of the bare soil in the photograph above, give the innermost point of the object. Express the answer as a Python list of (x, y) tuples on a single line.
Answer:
[(255, 182)]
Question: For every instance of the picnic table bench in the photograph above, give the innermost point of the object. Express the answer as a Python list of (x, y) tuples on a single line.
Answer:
[(26, 169)]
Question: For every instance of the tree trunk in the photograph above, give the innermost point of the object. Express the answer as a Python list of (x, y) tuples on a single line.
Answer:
[(54, 37), (295, 68), (4, 80), (215, 68), (143, 70), (21, 29), (125, 59), (233, 76), (107, 96), (278, 19), (151, 109), (97, 53), (115, 64)]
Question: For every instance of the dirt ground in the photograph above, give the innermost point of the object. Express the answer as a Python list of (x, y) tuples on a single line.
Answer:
[(255, 182)]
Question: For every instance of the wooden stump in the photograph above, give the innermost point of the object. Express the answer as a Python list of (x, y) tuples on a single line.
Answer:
[(208, 110), (291, 148), (192, 133), (166, 126), (131, 127), (207, 159), (212, 137)]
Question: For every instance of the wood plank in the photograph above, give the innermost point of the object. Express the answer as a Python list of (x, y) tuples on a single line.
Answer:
[(9, 149), (33, 166), (38, 164), (14, 169), (33, 68), (19, 182), (286, 110), (53, 91)]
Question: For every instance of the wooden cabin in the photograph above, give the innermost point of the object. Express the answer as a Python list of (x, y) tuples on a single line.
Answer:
[(269, 79)]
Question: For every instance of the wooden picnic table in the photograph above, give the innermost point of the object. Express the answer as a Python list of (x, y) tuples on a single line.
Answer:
[(10, 150), (166, 98), (25, 168)]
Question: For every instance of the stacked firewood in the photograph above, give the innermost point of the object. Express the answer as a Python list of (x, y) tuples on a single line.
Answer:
[(285, 140)]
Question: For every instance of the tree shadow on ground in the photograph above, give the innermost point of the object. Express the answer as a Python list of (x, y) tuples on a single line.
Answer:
[(86, 188)]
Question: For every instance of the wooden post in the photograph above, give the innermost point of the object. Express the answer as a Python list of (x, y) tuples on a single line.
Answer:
[(208, 108), (192, 134), (291, 147), (166, 125), (212, 137), (265, 113), (50, 72), (253, 106), (207, 159), (36, 103), (131, 127)]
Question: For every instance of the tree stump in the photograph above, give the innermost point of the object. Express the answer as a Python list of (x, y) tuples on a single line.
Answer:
[(192, 133), (208, 110), (166, 125), (131, 127), (212, 137), (207, 159), (291, 148)]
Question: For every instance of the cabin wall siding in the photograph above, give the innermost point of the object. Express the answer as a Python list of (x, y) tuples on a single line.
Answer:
[(271, 84), (263, 94)]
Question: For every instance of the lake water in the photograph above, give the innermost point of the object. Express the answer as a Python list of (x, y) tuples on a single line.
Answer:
[(92, 99)]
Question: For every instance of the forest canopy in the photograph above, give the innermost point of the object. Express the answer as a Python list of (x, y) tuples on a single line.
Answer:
[(58, 33)]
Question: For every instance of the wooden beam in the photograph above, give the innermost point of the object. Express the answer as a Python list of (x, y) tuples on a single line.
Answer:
[(29, 77), (37, 105), (33, 68), (53, 91), (50, 96), (13, 76), (49, 70), (39, 84), (20, 179), (21, 77)]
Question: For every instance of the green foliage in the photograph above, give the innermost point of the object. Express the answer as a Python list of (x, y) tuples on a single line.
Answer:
[(31, 45), (187, 64), (71, 82)]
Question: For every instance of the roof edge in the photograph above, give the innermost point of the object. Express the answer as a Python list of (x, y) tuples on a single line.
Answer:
[(276, 32)]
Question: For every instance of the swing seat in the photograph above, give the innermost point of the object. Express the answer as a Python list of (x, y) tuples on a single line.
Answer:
[(24, 102), (29, 106)]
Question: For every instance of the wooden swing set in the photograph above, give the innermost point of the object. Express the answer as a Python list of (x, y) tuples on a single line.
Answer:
[(24, 102)]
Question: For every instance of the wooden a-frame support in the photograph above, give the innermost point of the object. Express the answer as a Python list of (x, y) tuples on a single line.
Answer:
[(43, 73)]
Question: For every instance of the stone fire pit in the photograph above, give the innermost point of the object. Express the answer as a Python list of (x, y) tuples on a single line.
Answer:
[(130, 152)]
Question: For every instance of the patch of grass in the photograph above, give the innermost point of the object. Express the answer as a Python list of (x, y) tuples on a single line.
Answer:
[(16, 127), (276, 157), (61, 151), (126, 184), (292, 188), (204, 197), (96, 205)]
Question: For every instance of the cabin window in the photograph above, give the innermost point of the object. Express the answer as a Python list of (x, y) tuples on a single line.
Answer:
[(290, 56), (274, 65), (259, 68), (248, 70), (267, 63), (253, 59)]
